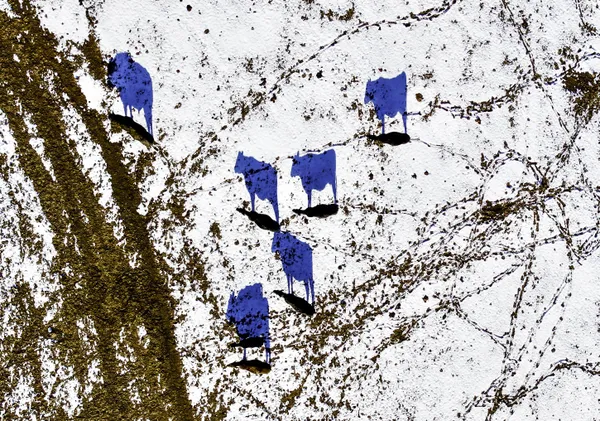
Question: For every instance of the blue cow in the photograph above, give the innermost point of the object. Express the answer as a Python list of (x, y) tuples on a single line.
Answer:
[(389, 97), (134, 85), (261, 180), (249, 311), (297, 261), (316, 171)]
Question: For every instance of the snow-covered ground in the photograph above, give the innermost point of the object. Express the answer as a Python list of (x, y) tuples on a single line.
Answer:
[(457, 281)]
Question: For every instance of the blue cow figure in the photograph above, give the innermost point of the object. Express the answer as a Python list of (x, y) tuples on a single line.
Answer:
[(261, 180), (389, 97), (249, 311), (134, 84), (297, 261), (316, 171)]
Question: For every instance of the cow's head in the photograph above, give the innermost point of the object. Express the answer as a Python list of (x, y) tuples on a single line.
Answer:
[(275, 245), (370, 91), (239, 163), (117, 69), (296, 163), (230, 315)]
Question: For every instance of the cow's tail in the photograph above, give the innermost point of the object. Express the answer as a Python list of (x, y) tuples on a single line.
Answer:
[(267, 343), (334, 186), (274, 201)]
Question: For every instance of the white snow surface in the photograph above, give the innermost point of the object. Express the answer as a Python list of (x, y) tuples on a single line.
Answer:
[(493, 307)]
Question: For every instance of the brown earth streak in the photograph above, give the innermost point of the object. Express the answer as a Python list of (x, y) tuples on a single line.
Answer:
[(100, 285)]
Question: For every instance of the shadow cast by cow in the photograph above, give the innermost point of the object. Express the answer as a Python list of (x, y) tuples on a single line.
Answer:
[(297, 303), (316, 171), (249, 312), (391, 138), (134, 128), (297, 262), (253, 366), (260, 219), (319, 211)]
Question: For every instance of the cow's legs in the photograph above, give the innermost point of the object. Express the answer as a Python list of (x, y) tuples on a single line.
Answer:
[(383, 125), (244, 354), (307, 287), (148, 117), (275, 207), (290, 285), (309, 194), (252, 200)]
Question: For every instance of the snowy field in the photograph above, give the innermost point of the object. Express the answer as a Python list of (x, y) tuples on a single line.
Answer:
[(458, 279)]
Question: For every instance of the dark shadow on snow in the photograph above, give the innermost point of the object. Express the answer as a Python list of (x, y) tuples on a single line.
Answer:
[(392, 138), (129, 123), (297, 303), (263, 221), (319, 211), (253, 366), (252, 342)]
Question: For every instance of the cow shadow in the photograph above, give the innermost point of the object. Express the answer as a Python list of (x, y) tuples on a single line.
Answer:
[(297, 262), (297, 303), (391, 138), (389, 98), (261, 181), (134, 84), (316, 171), (319, 211), (133, 127), (260, 219), (249, 312)]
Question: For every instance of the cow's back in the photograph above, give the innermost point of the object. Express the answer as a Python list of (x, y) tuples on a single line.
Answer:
[(250, 311), (138, 86), (255, 320), (321, 170), (262, 181), (392, 98), (297, 260)]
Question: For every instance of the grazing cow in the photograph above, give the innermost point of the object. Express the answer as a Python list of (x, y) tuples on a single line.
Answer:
[(297, 261), (134, 85), (249, 311), (389, 97), (316, 171), (261, 180)]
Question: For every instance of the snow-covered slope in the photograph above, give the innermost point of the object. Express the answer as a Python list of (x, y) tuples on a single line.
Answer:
[(457, 280)]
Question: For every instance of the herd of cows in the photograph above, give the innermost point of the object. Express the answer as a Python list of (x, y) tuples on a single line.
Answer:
[(248, 310)]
